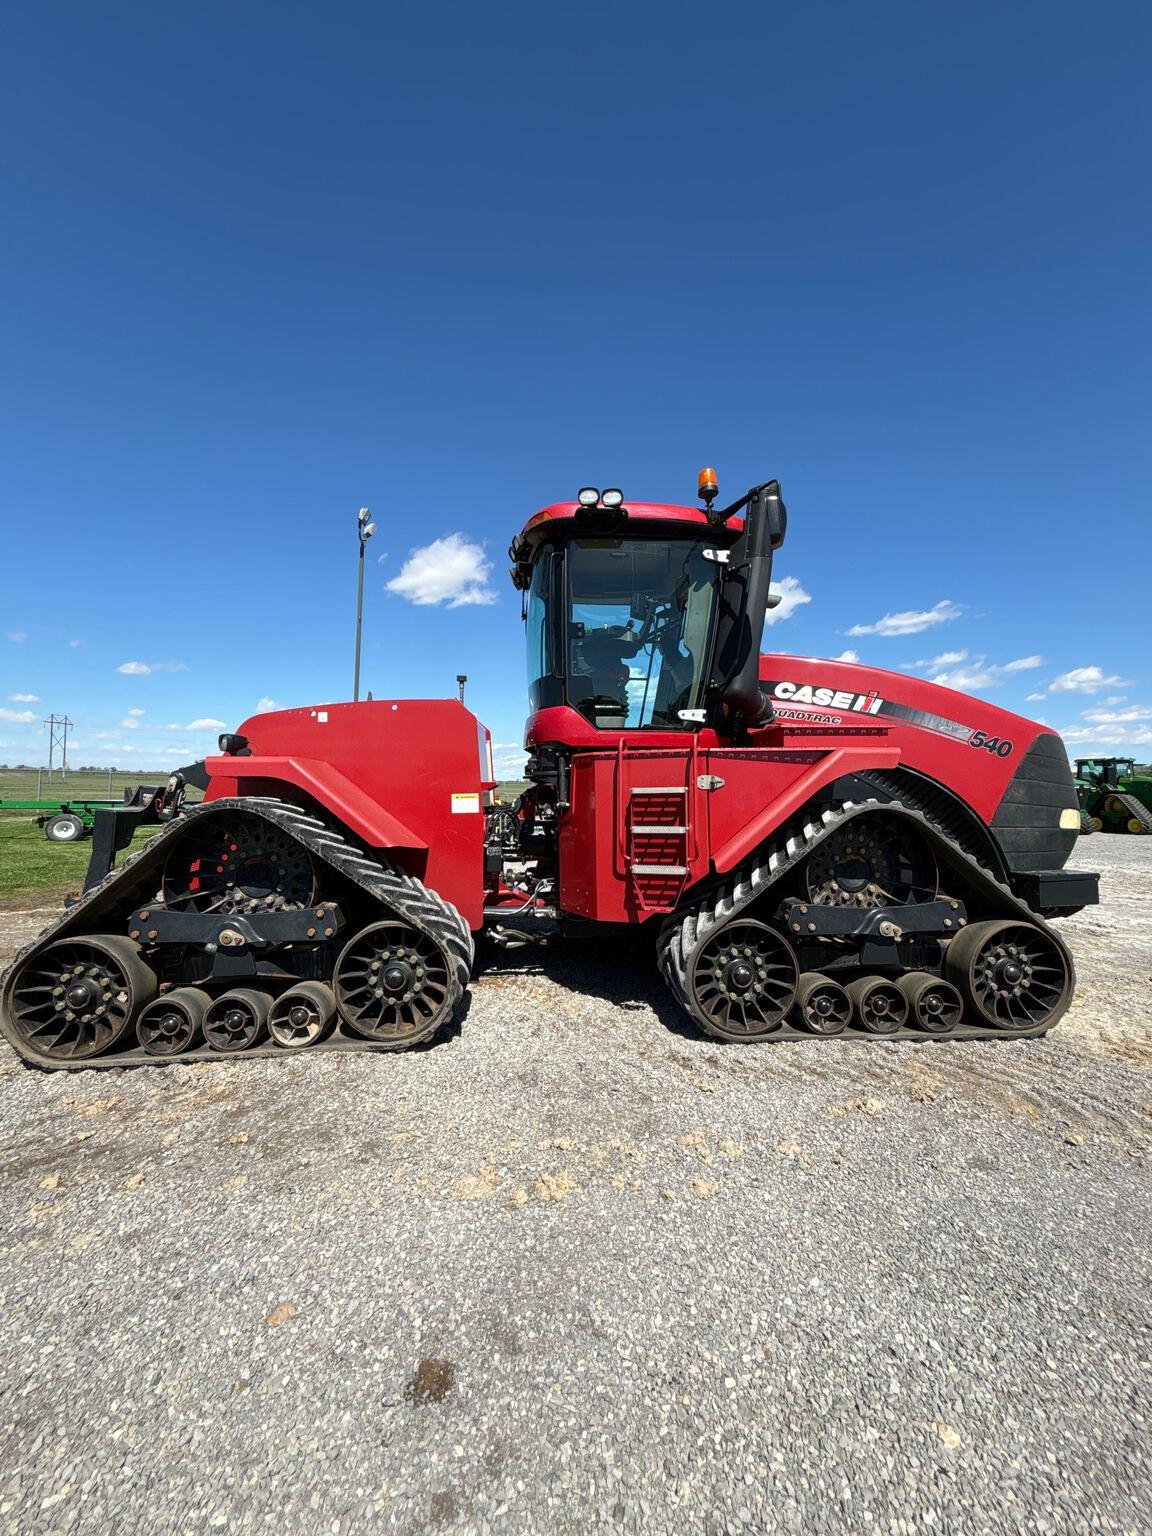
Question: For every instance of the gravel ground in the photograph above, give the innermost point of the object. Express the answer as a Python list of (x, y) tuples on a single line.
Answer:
[(573, 1265)]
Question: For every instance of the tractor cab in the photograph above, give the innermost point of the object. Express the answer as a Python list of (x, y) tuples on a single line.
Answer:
[(1105, 772), (641, 617)]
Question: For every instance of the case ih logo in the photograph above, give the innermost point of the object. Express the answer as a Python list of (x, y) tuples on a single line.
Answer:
[(826, 698)]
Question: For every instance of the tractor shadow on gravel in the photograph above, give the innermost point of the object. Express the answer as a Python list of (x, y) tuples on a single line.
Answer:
[(616, 970)]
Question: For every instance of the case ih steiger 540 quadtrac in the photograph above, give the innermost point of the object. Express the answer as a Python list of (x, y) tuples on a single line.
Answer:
[(817, 848)]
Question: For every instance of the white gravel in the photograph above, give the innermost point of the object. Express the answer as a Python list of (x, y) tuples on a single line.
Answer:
[(574, 1265)]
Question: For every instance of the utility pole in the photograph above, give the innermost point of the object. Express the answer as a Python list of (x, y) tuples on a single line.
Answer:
[(58, 727), (364, 531)]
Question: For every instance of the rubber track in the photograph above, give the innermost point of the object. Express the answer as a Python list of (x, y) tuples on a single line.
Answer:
[(398, 893), (685, 932), (1137, 807)]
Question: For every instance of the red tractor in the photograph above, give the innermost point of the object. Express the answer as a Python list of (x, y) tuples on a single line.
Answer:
[(816, 848)]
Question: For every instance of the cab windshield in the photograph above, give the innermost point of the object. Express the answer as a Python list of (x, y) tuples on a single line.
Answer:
[(633, 644)]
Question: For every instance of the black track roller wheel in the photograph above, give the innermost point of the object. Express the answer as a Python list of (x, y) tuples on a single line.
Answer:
[(822, 1005), (237, 1019), (878, 1005), (173, 1023), (393, 984), (933, 1005), (303, 1016), (743, 980), (78, 997), (1013, 974)]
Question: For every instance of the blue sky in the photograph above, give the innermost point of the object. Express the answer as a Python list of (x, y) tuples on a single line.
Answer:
[(264, 264)]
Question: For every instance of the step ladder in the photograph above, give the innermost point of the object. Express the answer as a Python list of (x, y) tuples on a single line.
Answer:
[(656, 833)]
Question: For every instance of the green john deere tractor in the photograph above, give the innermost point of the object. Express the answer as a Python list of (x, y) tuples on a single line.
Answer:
[(1113, 796)]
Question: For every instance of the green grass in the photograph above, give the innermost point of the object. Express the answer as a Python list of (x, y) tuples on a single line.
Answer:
[(31, 865)]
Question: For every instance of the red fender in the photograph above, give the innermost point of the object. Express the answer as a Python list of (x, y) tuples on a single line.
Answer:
[(326, 785)]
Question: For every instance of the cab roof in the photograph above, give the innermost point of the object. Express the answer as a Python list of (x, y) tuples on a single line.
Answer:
[(643, 511), (645, 517)]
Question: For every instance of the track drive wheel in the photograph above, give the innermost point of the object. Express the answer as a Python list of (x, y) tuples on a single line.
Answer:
[(872, 861), (822, 1005), (934, 1005), (879, 1005), (174, 1023), (78, 997), (1013, 974), (236, 864), (743, 980), (393, 984)]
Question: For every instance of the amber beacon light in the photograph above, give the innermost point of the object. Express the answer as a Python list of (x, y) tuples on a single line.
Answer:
[(707, 487)]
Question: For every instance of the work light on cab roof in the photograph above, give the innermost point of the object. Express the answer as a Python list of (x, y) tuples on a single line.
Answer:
[(817, 848)]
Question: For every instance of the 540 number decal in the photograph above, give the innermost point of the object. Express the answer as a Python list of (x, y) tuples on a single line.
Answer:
[(999, 746)]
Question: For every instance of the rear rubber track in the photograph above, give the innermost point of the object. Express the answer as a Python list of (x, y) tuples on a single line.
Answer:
[(686, 931), (398, 893), (1137, 808)]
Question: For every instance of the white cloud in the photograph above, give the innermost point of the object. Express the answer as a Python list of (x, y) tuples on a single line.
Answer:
[(452, 570), (75, 643), (847, 656), (24, 698), (971, 678), (17, 636), (1084, 680), (1115, 698), (1117, 716), (263, 704), (980, 673), (205, 723), (911, 621), (1032, 698), (509, 765), (792, 596), (1106, 736), (945, 659), (136, 710), (17, 716), (131, 723), (144, 668)]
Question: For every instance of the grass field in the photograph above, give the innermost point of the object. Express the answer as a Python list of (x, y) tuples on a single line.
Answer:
[(29, 863)]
